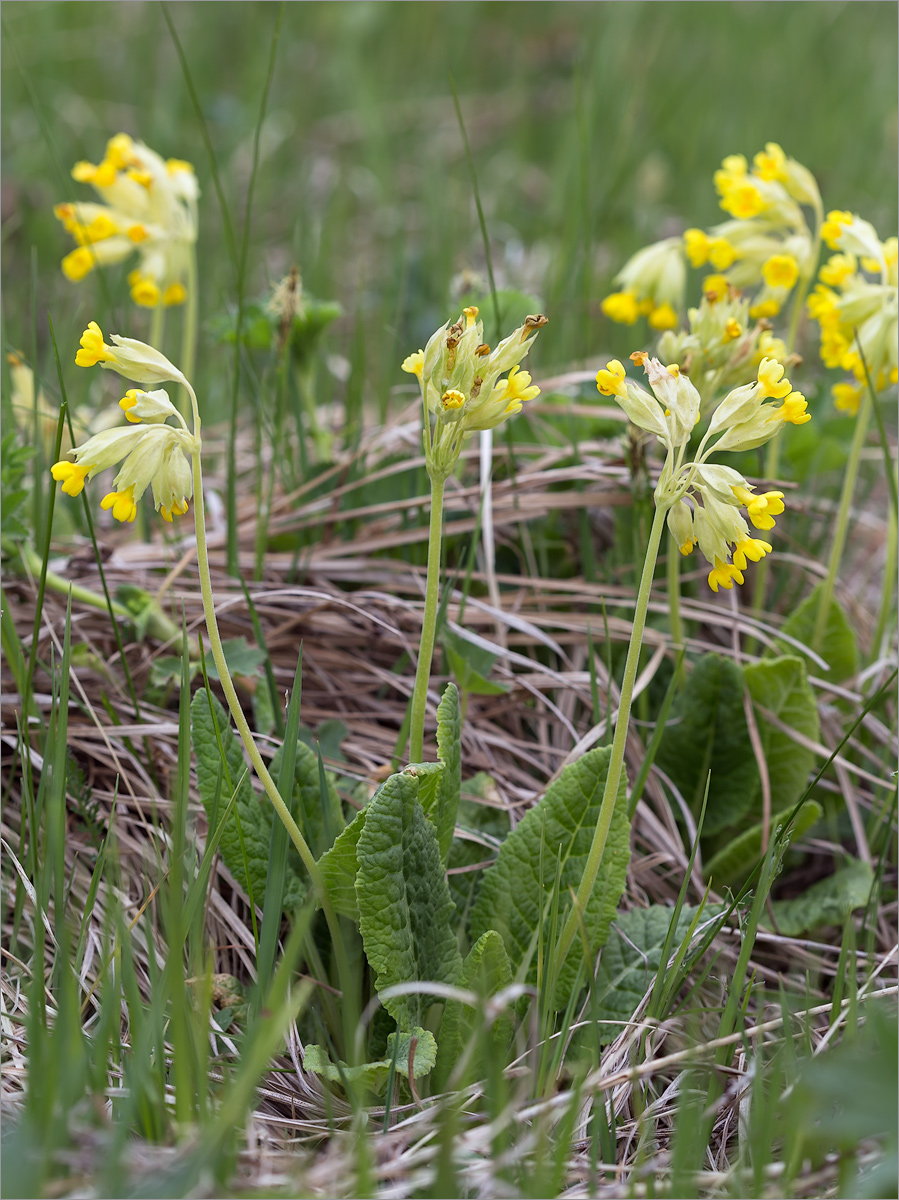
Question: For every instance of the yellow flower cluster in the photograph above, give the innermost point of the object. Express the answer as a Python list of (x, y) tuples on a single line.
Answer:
[(704, 499), (459, 377), (855, 304), (150, 208), (766, 245), (154, 452)]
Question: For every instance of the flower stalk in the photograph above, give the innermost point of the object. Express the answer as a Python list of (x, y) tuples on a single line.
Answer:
[(429, 622)]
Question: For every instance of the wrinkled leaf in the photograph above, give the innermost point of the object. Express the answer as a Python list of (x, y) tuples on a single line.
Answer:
[(838, 646), (734, 861), (406, 916), (516, 891), (449, 751), (486, 971), (707, 732), (780, 686), (374, 1075)]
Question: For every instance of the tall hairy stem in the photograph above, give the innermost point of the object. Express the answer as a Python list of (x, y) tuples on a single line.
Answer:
[(429, 622)]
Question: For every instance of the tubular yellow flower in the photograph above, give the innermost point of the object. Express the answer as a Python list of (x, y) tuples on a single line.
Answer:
[(93, 349), (839, 267), (517, 390), (761, 509), (722, 254), (452, 399), (663, 317), (715, 288), (781, 270), (847, 397), (753, 549), (743, 201), (122, 504), (723, 575), (77, 264), (621, 307), (610, 379), (732, 329), (792, 411), (770, 377), (832, 228), (145, 293), (767, 308), (696, 246), (414, 364), (770, 163), (175, 293), (71, 476)]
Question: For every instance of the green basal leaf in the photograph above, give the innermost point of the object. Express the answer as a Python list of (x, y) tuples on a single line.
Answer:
[(339, 866), (707, 732), (828, 902), (306, 801), (780, 687), (405, 910), (732, 864), (373, 1076), (471, 665), (486, 971), (449, 751), (838, 645), (516, 892)]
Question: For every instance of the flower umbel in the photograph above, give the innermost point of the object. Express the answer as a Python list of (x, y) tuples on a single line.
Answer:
[(150, 207), (153, 453)]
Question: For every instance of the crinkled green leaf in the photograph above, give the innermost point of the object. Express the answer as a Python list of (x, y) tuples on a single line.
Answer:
[(707, 732), (242, 658), (449, 751), (245, 839), (405, 910), (731, 865), (306, 801), (374, 1075), (838, 646), (428, 776), (514, 900), (629, 962), (486, 970), (780, 686), (339, 866), (827, 902)]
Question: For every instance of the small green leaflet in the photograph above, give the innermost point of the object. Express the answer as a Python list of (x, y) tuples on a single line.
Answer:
[(373, 1076)]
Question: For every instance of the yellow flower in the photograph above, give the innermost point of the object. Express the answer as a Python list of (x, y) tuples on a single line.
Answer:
[(696, 245), (847, 397), (93, 349), (771, 347), (177, 510), (78, 263), (781, 270), (722, 254), (792, 410), (663, 317), (743, 201), (761, 509), (175, 293), (715, 288), (767, 308), (770, 163), (610, 380), (71, 475), (452, 399), (770, 377), (621, 307), (414, 364), (122, 504), (732, 329), (833, 226), (839, 267), (145, 292), (518, 390), (723, 575), (751, 548)]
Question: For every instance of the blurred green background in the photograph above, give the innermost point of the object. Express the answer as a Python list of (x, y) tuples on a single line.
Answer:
[(595, 128)]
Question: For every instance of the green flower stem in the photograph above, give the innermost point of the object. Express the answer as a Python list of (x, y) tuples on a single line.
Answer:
[(240, 720), (429, 622), (189, 328), (888, 592), (850, 478), (673, 577), (616, 760)]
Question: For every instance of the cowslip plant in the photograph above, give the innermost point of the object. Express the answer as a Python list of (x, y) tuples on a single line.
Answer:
[(462, 393), (701, 502), (166, 459)]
